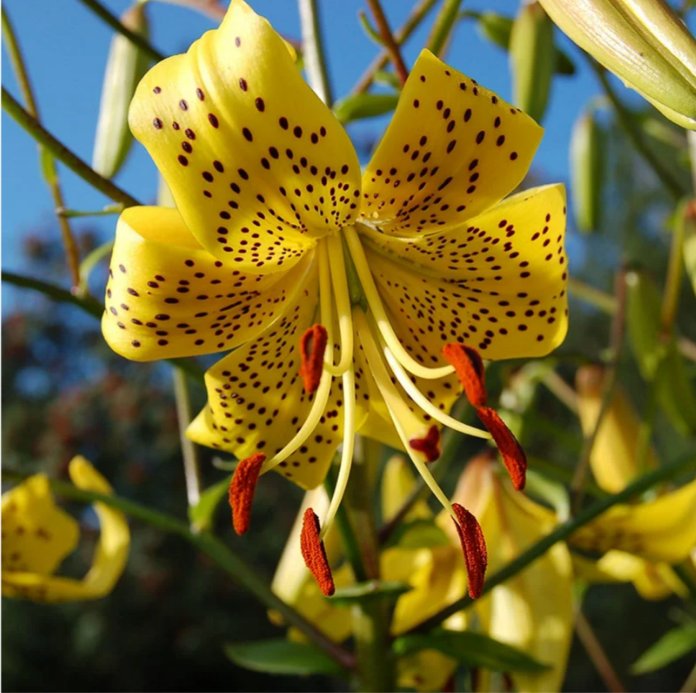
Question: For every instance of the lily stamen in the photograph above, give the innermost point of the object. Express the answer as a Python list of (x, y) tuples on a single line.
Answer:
[(312, 349), (425, 404), (474, 548), (469, 368), (242, 489), (376, 306), (314, 553)]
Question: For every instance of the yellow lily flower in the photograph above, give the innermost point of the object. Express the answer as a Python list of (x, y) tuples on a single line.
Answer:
[(37, 535), (640, 541), (534, 610), (272, 209)]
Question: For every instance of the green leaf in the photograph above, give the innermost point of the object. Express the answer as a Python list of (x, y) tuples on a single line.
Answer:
[(369, 29), (364, 106), (282, 657), (472, 649), (388, 78), (92, 260), (370, 590), (48, 166), (201, 514), (671, 646)]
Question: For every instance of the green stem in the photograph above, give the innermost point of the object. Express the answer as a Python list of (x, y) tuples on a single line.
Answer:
[(313, 50), (418, 14), (189, 450), (107, 211), (206, 542), (596, 652), (632, 129), (577, 485), (371, 619), (444, 23), (351, 547), (72, 252), (62, 153), (563, 532), (388, 40), (90, 306), (114, 22)]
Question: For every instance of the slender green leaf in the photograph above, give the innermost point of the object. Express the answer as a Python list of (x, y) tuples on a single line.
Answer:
[(472, 649), (362, 106), (201, 514), (671, 646), (282, 657), (388, 78), (48, 166), (366, 591), (369, 29), (92, 260)]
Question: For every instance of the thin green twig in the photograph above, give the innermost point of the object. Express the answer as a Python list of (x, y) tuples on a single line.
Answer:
[(72, 253), (313, 50), (401, 35), (389, 41), (627, 122), (597, 655), (114, 22), (89, 305), (206, 542), (189, 451), (563, 532), (62, 153)]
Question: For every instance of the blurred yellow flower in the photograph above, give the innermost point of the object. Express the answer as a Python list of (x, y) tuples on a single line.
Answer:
[(641, 541), (37, 535)]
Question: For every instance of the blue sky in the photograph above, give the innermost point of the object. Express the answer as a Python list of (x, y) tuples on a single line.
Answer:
[(66, 48)]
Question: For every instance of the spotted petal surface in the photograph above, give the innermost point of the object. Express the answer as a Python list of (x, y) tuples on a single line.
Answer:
[(36, 534), (168, 297), (257, 402), (246, 146), (497, 283), (452, 150)]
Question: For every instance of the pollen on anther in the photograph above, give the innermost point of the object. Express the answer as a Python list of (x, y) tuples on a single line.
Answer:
[(469, 368), (314, 553), (312, 347), (474, 548), (242, 489)]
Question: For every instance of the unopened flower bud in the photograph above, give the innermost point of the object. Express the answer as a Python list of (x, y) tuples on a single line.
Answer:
[(533, 59), (641, 41), (586, 172), (125, 67)]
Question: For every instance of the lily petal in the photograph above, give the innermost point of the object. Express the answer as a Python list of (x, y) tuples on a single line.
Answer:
[(36, 534), (168, 297), (498, 284), (663, 529), (452, 150), (235, 130)]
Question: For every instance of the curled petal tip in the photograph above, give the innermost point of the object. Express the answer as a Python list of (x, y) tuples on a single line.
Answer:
[(312, 347), (429, 446), (474, 548), (242, 489), (469, 368), (314, 553), (513, 455)]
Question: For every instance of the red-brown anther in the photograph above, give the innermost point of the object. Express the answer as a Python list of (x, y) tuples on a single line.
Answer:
[(312, 348), (513, 455), (314, 553), (469, 368), (242, 488), (474, 548), (429, 446)]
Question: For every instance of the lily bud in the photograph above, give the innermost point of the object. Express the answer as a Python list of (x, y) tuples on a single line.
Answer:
[(641, 41), (614, 456), (125, 67), (586, 172), (533, 59)]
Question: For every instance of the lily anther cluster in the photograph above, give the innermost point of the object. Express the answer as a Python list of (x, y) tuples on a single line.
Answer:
[(352, 302)]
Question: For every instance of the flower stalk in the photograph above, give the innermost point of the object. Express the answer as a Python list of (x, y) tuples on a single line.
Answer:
[(389, 41), (313, 45)]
